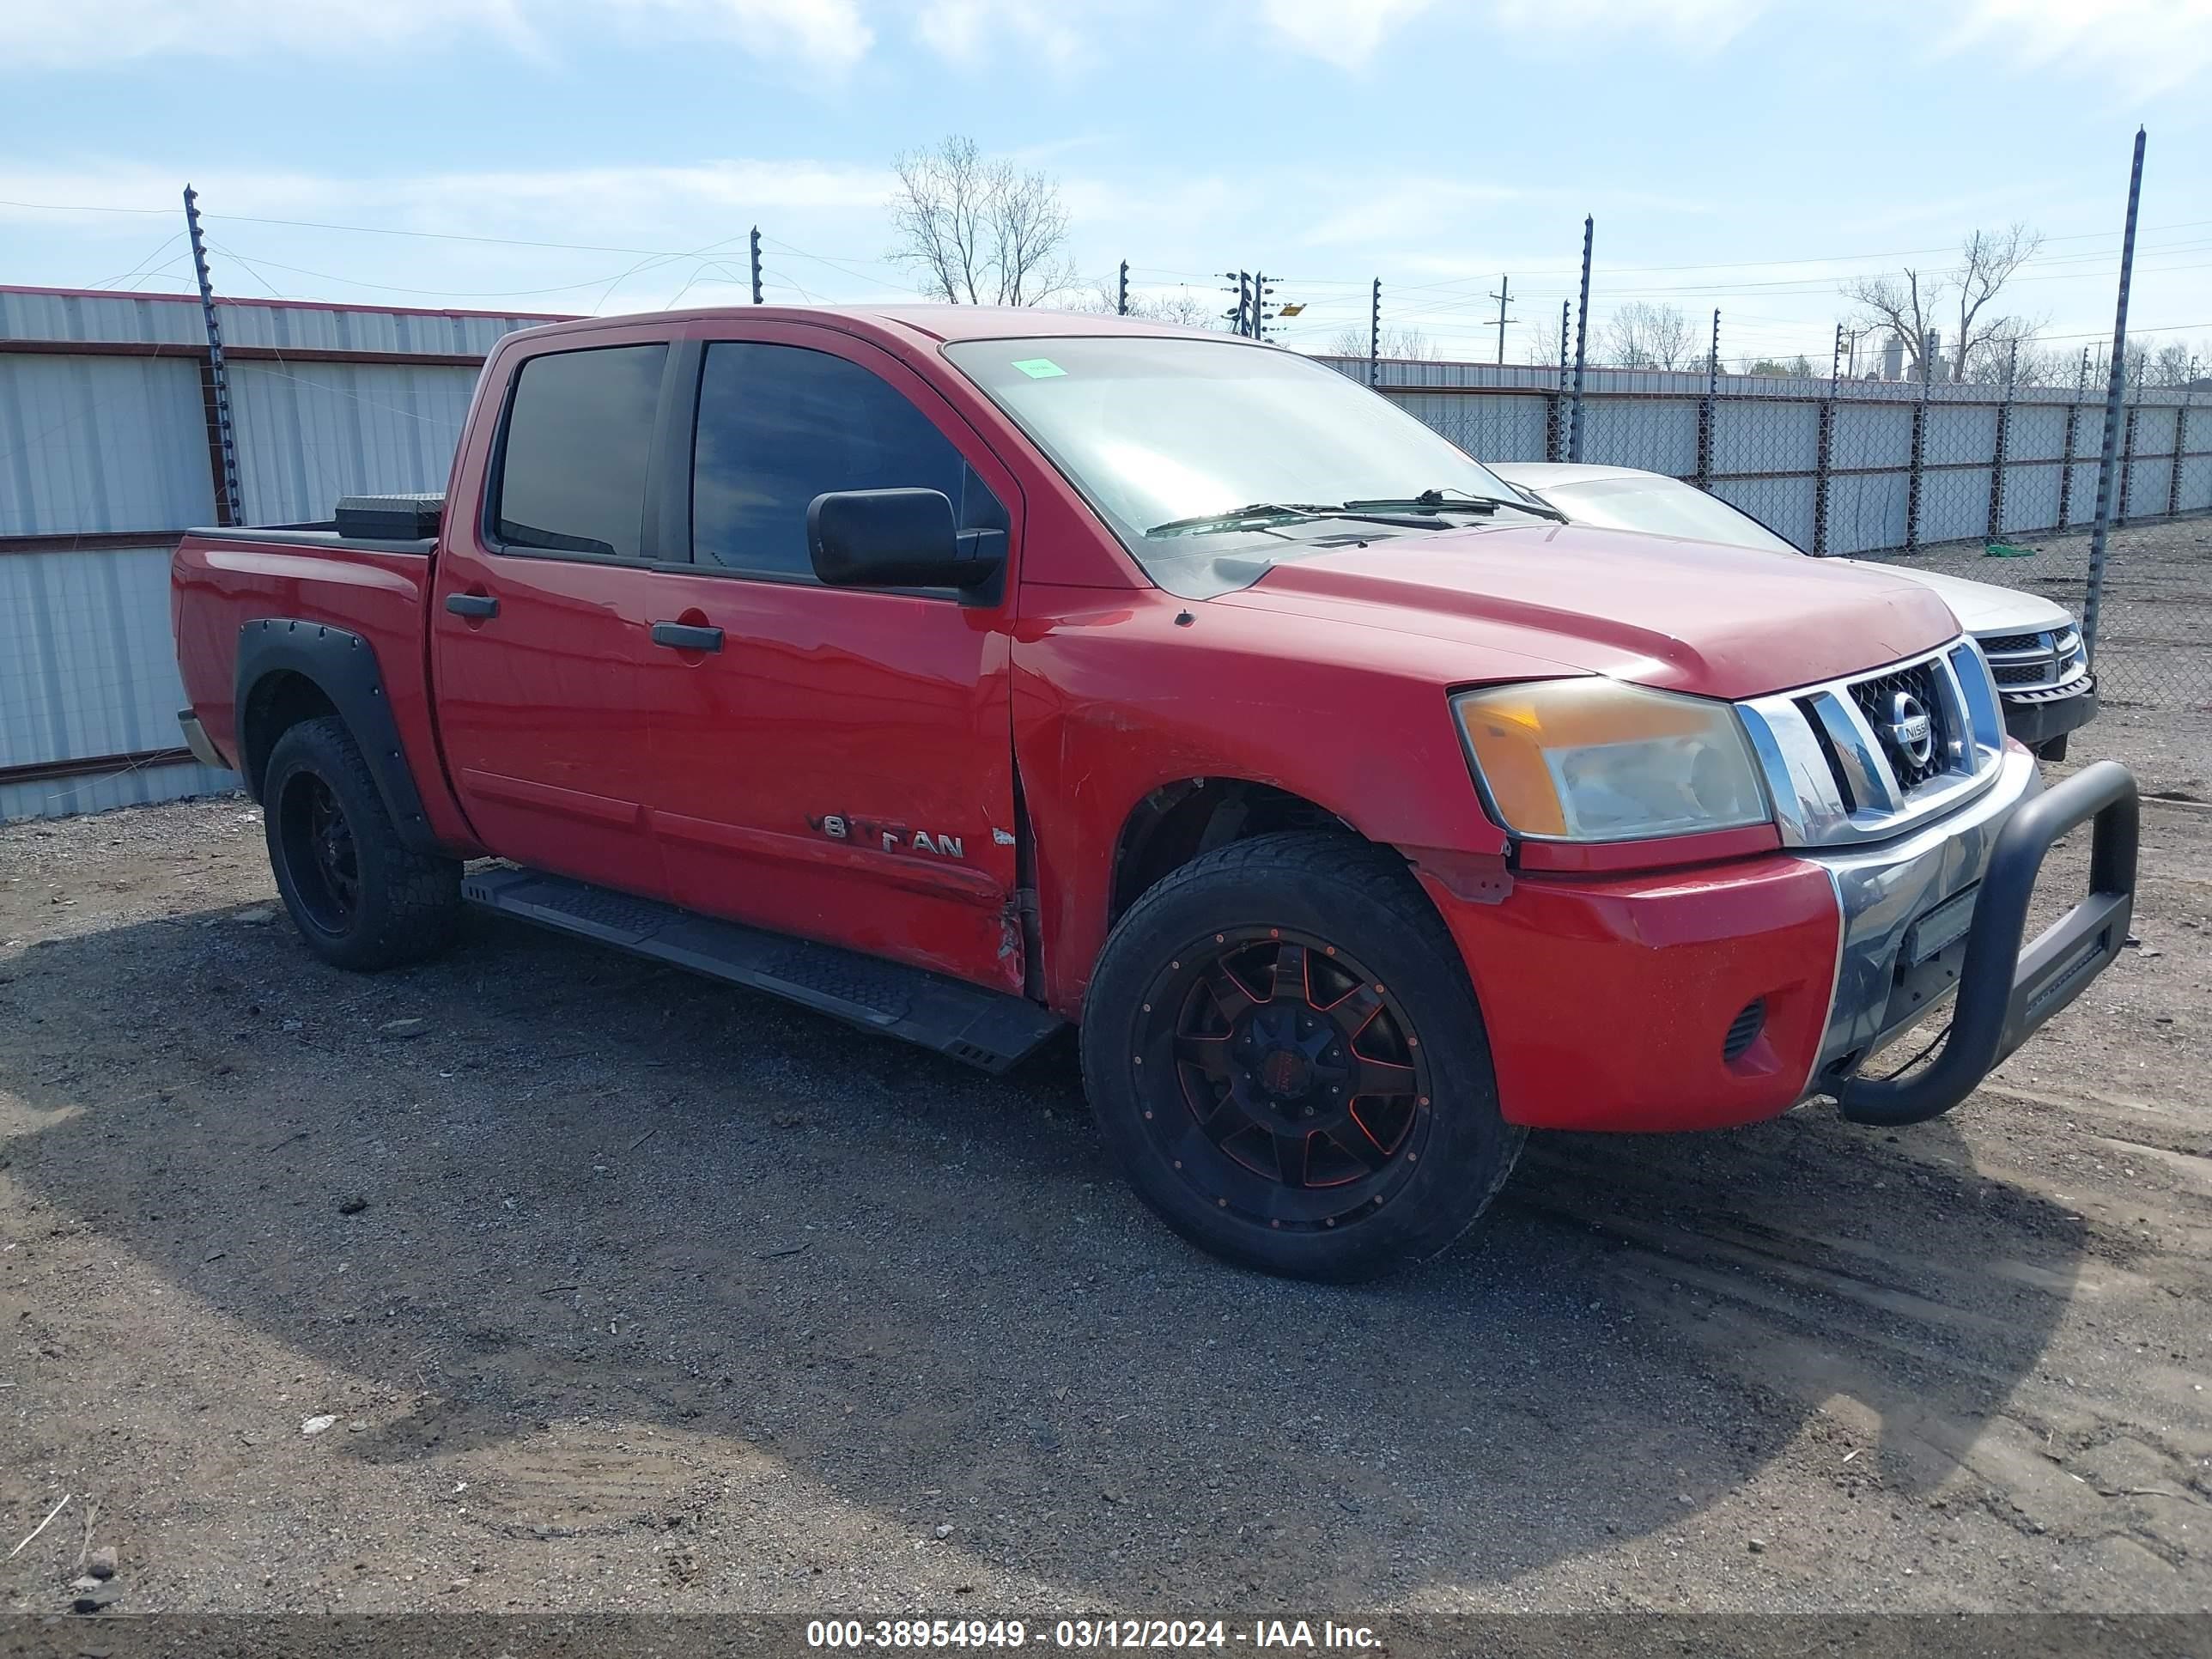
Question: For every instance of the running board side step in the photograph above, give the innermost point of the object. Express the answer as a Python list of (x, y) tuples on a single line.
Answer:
[(987, 1029)]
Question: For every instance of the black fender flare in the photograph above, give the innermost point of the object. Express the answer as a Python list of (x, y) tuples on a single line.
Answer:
[(342, 666)]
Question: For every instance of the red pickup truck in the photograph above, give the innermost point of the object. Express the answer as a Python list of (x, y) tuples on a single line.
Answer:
[(966, 673)]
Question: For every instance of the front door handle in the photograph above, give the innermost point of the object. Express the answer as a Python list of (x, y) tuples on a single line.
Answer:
[(682, 637), (472, 604)]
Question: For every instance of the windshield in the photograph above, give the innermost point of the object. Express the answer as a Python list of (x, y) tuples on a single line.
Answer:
[(1165, 435), (1663, 506)]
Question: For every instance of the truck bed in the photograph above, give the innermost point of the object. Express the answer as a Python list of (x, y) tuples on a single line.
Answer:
[(354, 589)]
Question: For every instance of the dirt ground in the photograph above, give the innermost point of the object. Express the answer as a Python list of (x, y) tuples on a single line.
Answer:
[(620, 1289)]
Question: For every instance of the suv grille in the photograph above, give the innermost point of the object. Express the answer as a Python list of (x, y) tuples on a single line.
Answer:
[(1906, 711), (2035, 662)]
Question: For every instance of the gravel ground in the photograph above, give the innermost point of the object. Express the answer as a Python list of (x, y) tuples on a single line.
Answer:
[(542, 1278)]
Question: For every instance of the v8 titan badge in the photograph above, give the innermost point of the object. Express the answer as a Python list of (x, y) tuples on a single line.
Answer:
[(892, 837)]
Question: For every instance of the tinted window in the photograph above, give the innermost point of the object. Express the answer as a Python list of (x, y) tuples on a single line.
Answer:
[(779, 425), (578, 435)]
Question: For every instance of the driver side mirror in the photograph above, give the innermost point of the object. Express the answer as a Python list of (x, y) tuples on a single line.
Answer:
[(898, 538)]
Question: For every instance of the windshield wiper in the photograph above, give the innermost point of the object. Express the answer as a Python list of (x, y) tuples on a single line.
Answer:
[(1267, 512), (1460, 501)]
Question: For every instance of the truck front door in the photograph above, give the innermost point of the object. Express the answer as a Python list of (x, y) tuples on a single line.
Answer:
[(836, 763)]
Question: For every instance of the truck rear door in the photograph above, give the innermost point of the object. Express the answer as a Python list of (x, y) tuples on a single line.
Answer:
[(830, 761), (540, 625)]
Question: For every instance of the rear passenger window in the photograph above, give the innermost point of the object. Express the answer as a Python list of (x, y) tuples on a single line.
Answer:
[(579, 433), (779, 425)]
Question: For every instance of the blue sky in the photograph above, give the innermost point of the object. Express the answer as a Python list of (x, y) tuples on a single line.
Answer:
[(1748, 154)]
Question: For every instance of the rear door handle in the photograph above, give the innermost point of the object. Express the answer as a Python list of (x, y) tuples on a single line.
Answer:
[(472, 604), (682, 637)]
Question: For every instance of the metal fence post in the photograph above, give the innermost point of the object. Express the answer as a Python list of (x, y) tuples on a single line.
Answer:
[(230, 505), (1824, 449), (1375, 337), (2066, 454), (1919, 454), (2115, 383), (2181, 442), (1582, 345), (1555, 405), (1705, 408), (2128, 455), (2004, 433)]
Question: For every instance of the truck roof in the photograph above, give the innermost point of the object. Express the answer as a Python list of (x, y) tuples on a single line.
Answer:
[(932, 322)]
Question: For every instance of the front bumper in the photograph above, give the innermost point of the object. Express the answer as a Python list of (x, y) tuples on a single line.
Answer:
[(1621, 1003), (2036, 717)]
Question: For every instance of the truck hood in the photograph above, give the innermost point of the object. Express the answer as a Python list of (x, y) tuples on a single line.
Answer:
[(1982, 607), (1718, 621)]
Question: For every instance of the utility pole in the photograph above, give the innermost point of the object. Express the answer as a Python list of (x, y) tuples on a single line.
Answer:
[(1122, 292), (756, 285), (2094, 600), (1504, 295), (1582, 345), (1259, 293), (1374, 336), (218, 379), (1713, 358)]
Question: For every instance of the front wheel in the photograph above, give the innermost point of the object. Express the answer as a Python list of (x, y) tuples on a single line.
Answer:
[(1284, 1051)]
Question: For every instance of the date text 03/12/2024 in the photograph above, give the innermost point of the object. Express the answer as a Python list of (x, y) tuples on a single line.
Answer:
[(1282, 1634)]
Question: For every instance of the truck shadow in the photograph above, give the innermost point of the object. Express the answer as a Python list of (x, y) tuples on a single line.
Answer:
[(593, 1187)]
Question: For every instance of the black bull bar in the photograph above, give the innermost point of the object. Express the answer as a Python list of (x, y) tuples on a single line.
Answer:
[(2005, 992)]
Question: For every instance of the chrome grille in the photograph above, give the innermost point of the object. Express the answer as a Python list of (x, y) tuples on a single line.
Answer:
[(1905, 709), (2035, 662), (1869, 756)]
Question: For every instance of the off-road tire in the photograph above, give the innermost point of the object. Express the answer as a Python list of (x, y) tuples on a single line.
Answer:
[(1348, 896), (404, 906)]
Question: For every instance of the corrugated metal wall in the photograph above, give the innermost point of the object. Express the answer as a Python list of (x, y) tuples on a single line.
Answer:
[(103, 458)]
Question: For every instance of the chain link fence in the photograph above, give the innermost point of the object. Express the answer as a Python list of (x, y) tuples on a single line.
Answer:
[(1930, 476)]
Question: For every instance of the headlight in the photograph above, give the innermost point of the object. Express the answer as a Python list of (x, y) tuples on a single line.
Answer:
[(1595, 760)]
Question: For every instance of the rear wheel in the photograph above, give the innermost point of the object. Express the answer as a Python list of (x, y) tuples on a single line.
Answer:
[(359, 896), (1283, 1049)]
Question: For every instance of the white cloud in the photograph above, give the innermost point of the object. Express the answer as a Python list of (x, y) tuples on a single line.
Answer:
[(1338, 33), (1353, 33), (967, 30), (2151, 45), (1692, 26), (80, 33)]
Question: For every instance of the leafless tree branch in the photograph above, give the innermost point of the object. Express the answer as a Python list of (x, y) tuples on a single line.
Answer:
[(978, 230)]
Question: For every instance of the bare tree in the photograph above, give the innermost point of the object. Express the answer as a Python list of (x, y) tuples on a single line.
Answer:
[(1407, 345), (1641, 335), (2170, 365), (979, 230), (1540, 345), (1927, 299), (1182, 308)]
